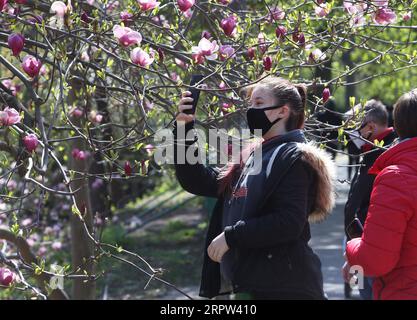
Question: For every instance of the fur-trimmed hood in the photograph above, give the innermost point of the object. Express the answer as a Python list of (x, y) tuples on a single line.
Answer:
[(324, 167)]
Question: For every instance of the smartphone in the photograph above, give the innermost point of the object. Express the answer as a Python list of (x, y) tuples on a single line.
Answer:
[(355, 229), (195, 93)]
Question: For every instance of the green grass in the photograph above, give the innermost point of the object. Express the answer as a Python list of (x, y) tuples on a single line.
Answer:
[(176, 248)]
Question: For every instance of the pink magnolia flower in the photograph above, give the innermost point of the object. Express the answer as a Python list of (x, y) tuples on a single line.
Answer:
[(326, 94), (180, 63), (358, 20), (384, 16), (229, 25), (128, 169), (301, 40), (206, 34), (82, 155), (184, 5), (57, 245), (113, 5), (161, 55), (95, 117), (3, 4), (316, 56), (148, 105), (354, 7), (31, 142), (161, 20), (141, 57), (226, 106), (262, 42), (6, 276), (146, 5), (98, 118), (188, 14), (59, 8), (280, 32), (206, 49), (381, 3), (267, 62), (16, 42), (79, 154), (174, 76), (126, 36), (85, 57), (149, 149), (76, 112), (31, 242), (222, 85), (90, 2), (251, 53), (42, 251), (26, 222), (198, 58), (356, 10), (322, 10), (407, 16), (9, 117), (43, 71), (31, 65), (126, 17), (86, 18), (9, 85), (12, 185), (276, 14), (225, 52)]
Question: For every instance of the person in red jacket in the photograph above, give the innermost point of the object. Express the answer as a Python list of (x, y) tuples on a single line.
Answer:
[(387, 249)]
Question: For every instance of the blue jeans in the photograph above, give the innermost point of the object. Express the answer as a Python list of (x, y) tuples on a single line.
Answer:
[(366, 292)]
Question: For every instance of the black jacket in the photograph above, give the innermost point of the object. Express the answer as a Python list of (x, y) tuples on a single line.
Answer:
[(271, 238), (361, 185)]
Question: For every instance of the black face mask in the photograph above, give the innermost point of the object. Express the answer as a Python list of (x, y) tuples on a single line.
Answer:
[(257, 119)]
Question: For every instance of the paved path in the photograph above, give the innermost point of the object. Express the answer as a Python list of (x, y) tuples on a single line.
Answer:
[(327, 240)]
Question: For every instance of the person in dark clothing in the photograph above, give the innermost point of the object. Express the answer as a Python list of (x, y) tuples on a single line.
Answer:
[(257, 238), (331, 117), (390, 110), (374, 127), (354, 153)]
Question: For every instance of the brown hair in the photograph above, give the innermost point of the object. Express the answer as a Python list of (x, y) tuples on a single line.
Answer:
[(405, 115), (286, 93)]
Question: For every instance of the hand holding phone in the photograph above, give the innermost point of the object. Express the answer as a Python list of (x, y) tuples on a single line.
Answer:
[(195, 93)]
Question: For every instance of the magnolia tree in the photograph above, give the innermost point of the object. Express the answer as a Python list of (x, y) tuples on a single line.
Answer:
[(86, 85)]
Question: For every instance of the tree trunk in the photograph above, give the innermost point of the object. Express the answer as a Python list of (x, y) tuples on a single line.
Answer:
[(350, 89), (82, 247)]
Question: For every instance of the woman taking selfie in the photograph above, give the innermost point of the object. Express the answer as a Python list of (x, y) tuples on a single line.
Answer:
[(257, 239)]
